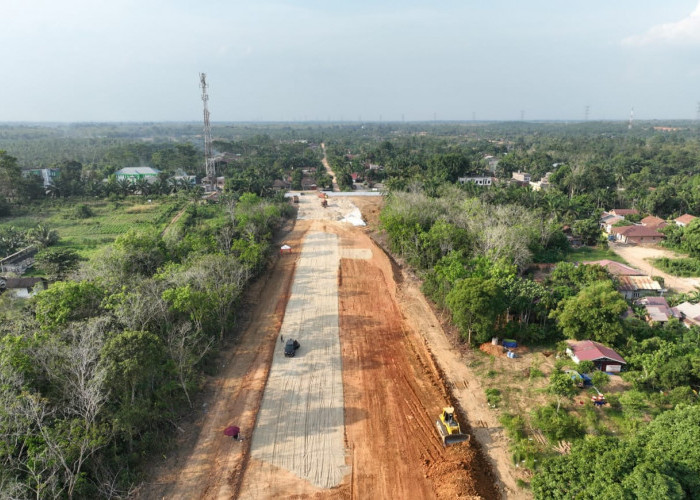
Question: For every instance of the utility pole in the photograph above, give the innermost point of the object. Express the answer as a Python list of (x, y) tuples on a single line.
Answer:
[(209, 180)]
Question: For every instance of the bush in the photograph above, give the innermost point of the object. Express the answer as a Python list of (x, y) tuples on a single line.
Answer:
[(82, 211), (557, 425), (493, 396), (688, 267)]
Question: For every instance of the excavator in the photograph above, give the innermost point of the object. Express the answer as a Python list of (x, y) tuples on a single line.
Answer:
[(448, 427)]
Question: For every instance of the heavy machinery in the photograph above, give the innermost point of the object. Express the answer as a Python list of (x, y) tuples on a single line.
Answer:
[(448, 427)]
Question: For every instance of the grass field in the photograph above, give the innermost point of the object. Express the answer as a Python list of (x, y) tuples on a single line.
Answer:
[(109, 220), (585, 254)]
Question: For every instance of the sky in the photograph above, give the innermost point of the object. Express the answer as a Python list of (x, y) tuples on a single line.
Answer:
[(348, 60)]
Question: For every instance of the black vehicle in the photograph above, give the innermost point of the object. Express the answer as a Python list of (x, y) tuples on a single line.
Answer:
[(290, 348)]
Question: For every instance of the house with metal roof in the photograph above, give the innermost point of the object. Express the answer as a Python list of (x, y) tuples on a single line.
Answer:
[(633, 287), (615, 268), (134, 173), (657, 309), (684, 220), (637, 235), (689, 313), (604, 358)]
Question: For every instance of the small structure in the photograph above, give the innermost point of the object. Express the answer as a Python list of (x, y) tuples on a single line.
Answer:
[(281, 185), (688, 313), (633, 287), (19, 261), (521, 177), (637, 235), (604, 358), (21, 287), (133, 174), (684, 220), (542, 184), (657, 309), (285, 249)]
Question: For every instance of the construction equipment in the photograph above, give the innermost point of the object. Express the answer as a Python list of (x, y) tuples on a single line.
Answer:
[(448, 427)]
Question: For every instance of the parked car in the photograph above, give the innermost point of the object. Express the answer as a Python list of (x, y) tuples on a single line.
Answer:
[(290, 348)]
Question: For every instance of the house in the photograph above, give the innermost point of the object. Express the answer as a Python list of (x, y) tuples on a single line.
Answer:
[(654, 222), (657, 309), (48, 175), (543, 183), (615, 268), (609, 222), (623, 212), (604, 358), (492, 162), (478, 180), (374, 166), (684, 220), (280, 185), (688, 313), (307, 183), (19, 261), (636, 235), (521, 177), (22, 287), (633, 287), (133, 174)]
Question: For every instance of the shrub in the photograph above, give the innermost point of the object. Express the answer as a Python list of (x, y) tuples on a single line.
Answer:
[(557, 425), (493, 396), (82, 211)]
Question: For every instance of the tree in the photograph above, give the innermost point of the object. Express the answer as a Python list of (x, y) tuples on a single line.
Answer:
[(57, 263), (43, 236), (594, 313), (562, 386), (10, 177), (67, 301), (476, 304)]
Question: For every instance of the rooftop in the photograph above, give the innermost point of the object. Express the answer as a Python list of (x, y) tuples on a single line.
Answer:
[(588, 350), (615, 268), (685, 219), (634, 283)]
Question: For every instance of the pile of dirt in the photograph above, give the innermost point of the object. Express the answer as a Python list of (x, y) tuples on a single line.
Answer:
[(499, 350), (448, 475)]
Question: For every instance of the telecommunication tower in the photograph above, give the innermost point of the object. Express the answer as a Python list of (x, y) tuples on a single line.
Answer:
[(629, 125), (209, 180), (587, 112)]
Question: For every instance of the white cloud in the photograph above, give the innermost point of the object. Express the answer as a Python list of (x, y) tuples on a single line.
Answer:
[(684, 32)]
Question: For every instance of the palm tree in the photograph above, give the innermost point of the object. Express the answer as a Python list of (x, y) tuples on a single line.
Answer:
[(124, 187), (142, 186)]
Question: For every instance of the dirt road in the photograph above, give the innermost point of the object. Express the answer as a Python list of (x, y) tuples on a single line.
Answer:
[(373, 435), (324, 160), (639, 257)]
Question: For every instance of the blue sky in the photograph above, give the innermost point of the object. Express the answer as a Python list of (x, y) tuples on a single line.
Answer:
[(129, 60)]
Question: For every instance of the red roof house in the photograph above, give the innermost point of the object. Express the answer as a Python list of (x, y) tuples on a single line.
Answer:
[(653, 222), (624, 211), (604, 358), (615, 268), (684, 220), (638, 235)]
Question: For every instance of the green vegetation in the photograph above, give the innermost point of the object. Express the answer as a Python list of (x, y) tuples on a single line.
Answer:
[(678, 267)]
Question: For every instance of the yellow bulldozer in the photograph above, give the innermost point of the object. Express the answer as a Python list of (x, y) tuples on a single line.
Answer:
[(448, 427)]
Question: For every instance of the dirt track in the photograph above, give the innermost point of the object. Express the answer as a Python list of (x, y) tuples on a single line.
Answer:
[(391, 390)]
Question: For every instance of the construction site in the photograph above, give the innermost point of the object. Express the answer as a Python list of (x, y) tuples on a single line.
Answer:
[(374, 403)]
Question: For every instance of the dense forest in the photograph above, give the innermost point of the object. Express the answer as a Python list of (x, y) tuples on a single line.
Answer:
[(96, 370)]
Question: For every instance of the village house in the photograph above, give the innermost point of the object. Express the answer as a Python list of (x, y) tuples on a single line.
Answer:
[(280, 185), (19, 261), (684, 220), (657, 309), (636, 235), (133, 174), (48, 175), (543, 183), (653, 222), (478, 180), (623, 212), (308, 183), (604, 358), (688, 313), (608, 222), (521, 177), (632, 287), (615, 268), (22, 287)]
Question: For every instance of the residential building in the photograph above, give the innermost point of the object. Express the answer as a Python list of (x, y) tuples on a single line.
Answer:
[(624, 211), (615, 268), (632, 287), (636, 235), (522, 177), (22, 287), (657, 309), (48, 175), (135, 173), (653, 222), (684, 220), (689, 313), (479, 181), (604, 358), (19, 261), (543, 183)]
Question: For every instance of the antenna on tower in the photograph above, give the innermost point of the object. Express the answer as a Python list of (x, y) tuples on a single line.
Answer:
[(588, 110), (629, 126), (209, 180)]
